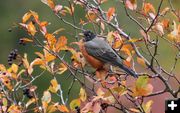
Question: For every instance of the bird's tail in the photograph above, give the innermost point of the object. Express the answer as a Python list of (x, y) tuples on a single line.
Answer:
[(128, 70)]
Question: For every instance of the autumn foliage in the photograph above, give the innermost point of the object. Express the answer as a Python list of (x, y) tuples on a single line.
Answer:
[(100, 91)]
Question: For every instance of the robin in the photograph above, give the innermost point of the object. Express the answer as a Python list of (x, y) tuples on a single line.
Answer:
[(98, 52)]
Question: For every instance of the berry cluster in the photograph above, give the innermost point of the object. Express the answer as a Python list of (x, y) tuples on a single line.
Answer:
[(12, 56)]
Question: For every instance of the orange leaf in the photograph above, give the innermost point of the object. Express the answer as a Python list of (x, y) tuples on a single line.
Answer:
[(25, 40), (62, 41), (50, 39), (50, 3), (26, 17), (148, 7), (141, 61), (165, 23), (48, 56), (31, 28), (91, 16), (110, 13), (62, 108), (37, 61), (35, 15)]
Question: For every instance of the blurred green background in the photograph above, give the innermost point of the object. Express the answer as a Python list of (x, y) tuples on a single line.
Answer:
[(11, 11)]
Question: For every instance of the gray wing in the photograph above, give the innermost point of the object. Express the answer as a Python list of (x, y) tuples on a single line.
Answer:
[(101, 50)]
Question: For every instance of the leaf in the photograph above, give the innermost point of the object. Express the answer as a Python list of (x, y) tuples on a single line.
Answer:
[(134, 110), (82, 95), (62, 108), (142, 87), (141, 61), (75, 103), (46, 97), (159, 28), (97, 107), (58, 8), (120, 90), (51, 40), (50, 3), (175, 34), (70, 10), (148, 7), (30, 101), (110, 13), (37, 61), (26, 17), (62, 68), (7, 82), (91, 16), (51, 109), (165, 23), (54, 87), (127, 62), (131, 4), (14, 68), (25, 40), (147, 106), (48, 56), (31, 29), (35, 15), (2, 67), (61, 43)]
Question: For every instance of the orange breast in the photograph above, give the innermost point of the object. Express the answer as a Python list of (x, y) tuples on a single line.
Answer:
[(90, 59)]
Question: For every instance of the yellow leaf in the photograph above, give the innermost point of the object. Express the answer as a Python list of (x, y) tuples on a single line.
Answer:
[(31, 101), (141, 61), (147, 106), (62, 68), (82, 95), (2, 67), (14, 68), (54, 86), (62, 108), (31, 29), (75, 103)]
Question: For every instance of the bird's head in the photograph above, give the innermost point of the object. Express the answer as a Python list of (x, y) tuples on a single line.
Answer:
[(88, 35)]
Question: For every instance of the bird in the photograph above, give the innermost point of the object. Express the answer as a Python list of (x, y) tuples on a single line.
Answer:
[(98, 52)]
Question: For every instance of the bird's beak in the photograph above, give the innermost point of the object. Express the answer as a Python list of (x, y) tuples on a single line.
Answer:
[(81, 34)]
